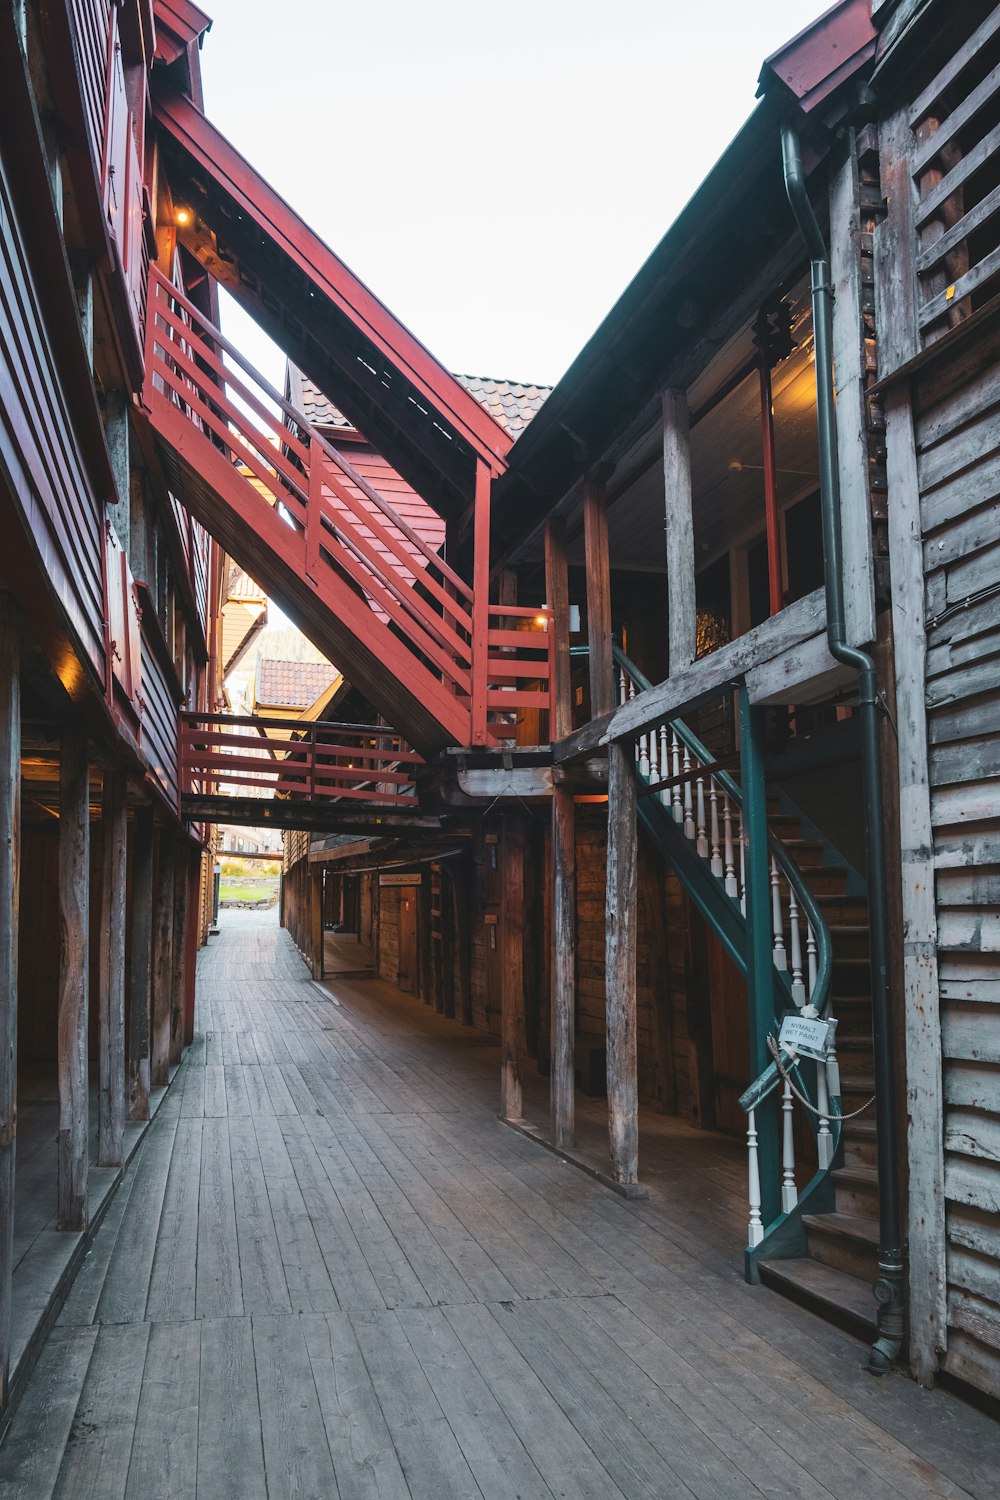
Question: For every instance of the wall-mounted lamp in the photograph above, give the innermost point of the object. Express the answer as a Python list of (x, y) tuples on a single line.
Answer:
[(183, 216)]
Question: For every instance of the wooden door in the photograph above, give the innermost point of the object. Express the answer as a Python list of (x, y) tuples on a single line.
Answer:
[(407, 970)]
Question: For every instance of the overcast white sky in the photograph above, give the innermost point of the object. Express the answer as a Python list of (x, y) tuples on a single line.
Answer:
[(496, 174)]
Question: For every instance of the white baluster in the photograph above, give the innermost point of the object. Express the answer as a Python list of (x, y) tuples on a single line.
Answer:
[(779, 956), (789, 1192), (678, 796), (654, 756), (795, 938), (743, 870), (642, 756), (755, 1228), (699, 802), (824, 1136), (664, 765), (812, 958), (732, 888), (718, 868), (689, 828)]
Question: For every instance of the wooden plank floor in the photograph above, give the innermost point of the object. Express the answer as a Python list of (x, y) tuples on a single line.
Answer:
[(333, 1272)]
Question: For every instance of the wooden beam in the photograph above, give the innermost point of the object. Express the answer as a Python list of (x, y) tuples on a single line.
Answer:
[(140, 964), (557, 599), (163, 972), (562, 1097), (178, 951), (74, 976), (595, 530), (111, 962), (512, 1038), (620, 967), (10, 850), (679, 529)]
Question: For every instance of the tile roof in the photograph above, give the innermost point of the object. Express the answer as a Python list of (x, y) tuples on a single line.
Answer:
[(292, 684), (509, 402)]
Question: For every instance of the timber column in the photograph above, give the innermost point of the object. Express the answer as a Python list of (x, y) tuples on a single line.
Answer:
[(163, 972), (111, 960), (10, 831), (679, 531), (562, 1099), (140, 952), (620, 967), (314, 887), (178, 965), (74, 977), (512, 1030)]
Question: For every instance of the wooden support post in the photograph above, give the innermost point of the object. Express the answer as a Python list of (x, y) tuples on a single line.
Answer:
[(595, 526), (74, 977), (178, 952), (557, 598), (111, 961), (461, 881), (760, 968), (512, 1039), (480, 604), (679, 528), (163, 970), (562, 1098), (191, 945), (10, 849), (620, 967), (315, 889), (140, 965)]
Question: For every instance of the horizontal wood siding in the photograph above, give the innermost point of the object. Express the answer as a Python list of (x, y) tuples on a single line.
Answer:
[(92, 22), (958, 437), (159, 720), (39, 449)]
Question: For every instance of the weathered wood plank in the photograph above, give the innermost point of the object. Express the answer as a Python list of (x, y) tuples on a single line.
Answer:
[(927, 1280), (296, 1453), (97, 1460), (10, 875), (74, 979), (165, 1445), (178, 952), (230, 1447), (557, 598)]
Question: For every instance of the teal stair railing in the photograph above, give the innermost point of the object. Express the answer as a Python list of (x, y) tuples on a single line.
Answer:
[(693, 810)]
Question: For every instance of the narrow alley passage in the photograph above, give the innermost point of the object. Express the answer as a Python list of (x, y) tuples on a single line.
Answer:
[(331, 1271)]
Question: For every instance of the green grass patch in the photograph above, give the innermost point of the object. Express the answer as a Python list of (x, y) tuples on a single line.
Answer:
[(259, 890)]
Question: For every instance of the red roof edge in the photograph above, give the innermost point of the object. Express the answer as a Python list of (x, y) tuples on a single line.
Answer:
[(814, 64), (178, 24)]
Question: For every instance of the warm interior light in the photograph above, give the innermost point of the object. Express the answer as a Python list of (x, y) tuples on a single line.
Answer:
[(541, 620), (183, 216)]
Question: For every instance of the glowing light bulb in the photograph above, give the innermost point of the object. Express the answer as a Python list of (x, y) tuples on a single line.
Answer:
[(183, 216)]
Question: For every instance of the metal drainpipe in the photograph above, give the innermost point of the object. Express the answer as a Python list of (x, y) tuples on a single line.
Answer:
[(888, 1290)]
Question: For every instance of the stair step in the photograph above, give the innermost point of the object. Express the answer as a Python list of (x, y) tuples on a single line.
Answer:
[(860, 1141), (835, 1295), (845, 1241), (846, 911), (824, 880), (850, 941), (857, 1191)]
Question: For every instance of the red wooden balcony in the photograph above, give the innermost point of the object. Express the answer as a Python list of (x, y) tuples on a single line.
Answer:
[(434, 658)]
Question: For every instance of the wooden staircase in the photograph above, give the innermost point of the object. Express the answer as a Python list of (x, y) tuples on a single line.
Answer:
[(835, 1278), (433, 657)]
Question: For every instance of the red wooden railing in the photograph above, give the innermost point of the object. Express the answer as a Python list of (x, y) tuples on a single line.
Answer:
[(492, 662), (238, 755)]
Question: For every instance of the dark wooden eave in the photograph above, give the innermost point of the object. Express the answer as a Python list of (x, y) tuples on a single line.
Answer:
[(414, 411)]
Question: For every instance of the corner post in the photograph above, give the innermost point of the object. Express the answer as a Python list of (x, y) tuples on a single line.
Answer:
[(10, 850), (760, 968), (679, 530), (163, 932), (74, 975), (620, 966), (140, 964), (315, 879), (512, 1030), (481, 605), (178, 951), (111, 960)]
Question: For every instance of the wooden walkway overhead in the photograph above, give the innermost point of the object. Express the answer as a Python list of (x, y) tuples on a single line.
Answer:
[(331, 1271)]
